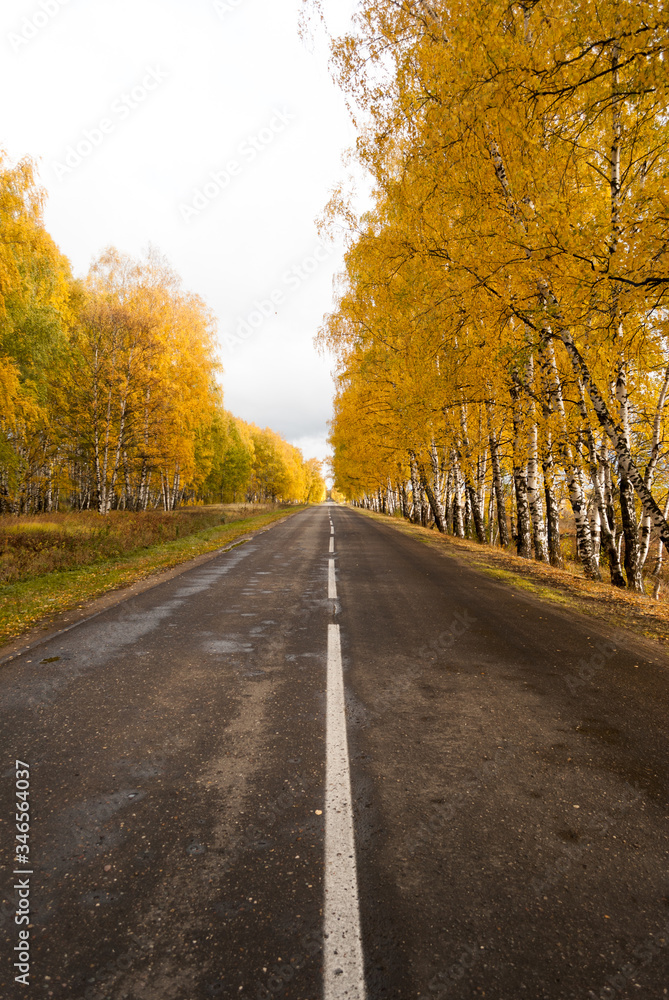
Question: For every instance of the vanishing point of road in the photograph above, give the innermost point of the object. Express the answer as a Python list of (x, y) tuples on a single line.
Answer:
[(332, 763)]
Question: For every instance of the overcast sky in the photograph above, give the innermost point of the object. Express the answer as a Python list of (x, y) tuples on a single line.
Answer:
[(206, 128)]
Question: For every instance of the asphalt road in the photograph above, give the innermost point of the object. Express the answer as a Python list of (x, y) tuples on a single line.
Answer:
[(189, 778)]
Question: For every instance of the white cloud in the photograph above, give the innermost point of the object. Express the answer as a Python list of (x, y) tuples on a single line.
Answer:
[(227, 72)]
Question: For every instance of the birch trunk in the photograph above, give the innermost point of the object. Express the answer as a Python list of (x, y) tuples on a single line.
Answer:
[(438, 480), (627, 498), (458, 521), (552, 509), (477, 514), (467, 511), (432, 499), (175, 487), (649, 474), (596, 478), (657, 566), (473, 513), (533, 496), (481, 469), (632, 552), (119, 448), (415, 490), (491, 517), (608, 535), (404, 500), (616, 437), (100, 469), (533, 492), (523, 524), (574, 486), (424, 509), (498, 486), (448, 500), (595, 528)]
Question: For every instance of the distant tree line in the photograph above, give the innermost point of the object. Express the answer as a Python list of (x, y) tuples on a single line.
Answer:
[(109, 396)]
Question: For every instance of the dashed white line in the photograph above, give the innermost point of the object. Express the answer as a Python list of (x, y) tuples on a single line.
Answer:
[(343, 970), (331, 543), (332, 581)]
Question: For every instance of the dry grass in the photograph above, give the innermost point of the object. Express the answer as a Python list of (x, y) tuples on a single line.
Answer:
[(65, 560), (50, 543), (567, 587)]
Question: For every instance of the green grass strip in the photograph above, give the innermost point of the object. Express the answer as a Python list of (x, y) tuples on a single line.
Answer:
[(24, 604)]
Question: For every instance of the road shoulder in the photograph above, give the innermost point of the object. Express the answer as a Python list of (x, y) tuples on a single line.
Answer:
[(48, 626), (639, 617)]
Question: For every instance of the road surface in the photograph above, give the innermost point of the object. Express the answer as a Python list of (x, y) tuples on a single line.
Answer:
[(333, 764)]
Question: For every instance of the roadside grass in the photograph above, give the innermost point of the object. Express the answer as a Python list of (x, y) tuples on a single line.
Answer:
[(88, 558), (566, 587), (44, 543)]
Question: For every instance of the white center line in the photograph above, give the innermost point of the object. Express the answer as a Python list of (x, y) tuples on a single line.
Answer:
[(331, 543), (343, 971)]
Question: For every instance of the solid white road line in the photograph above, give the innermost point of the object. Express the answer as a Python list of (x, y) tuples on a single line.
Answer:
[(343, 970)]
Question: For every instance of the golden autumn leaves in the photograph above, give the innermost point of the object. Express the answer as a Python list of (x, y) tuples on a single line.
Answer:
[(109, 388), (508, 291)]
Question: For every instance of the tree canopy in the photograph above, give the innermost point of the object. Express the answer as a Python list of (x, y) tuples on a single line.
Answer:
[(501, 329)]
